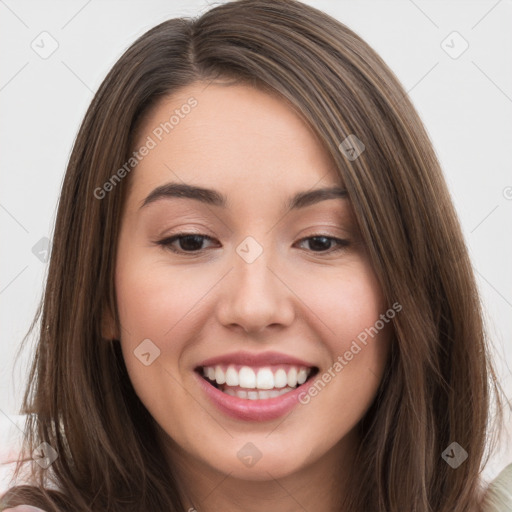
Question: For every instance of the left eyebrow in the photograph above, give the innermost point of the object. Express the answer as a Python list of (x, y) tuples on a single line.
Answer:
[(215, 198), (309, 197)]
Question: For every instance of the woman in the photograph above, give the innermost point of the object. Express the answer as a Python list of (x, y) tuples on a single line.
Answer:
[(259, 296)]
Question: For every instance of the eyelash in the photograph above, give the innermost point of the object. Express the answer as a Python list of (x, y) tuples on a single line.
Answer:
[(166, 243)]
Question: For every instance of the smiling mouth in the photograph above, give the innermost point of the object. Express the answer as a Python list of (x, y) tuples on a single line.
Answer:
[(256, 383)]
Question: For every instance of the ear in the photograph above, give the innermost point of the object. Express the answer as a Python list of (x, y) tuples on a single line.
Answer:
[(109, 329)]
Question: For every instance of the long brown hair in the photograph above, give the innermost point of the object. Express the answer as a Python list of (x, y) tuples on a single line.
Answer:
[(439, 381)]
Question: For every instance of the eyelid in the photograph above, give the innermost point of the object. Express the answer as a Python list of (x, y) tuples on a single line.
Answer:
[(165, 244), (342, 243)]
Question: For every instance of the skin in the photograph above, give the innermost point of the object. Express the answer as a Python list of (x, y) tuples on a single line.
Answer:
[(295, 298)]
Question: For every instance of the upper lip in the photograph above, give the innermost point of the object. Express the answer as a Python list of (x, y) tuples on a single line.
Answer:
[(252, 359)]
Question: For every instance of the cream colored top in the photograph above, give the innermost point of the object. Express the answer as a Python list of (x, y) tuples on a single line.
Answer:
[(499, 494)]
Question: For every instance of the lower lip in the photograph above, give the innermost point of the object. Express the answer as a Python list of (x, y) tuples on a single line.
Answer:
[(254, 410)]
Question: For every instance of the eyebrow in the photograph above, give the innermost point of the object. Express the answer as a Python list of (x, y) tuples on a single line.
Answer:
[(215, 198)]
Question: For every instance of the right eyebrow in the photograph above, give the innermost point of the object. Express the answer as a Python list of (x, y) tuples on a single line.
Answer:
[(170, 190)]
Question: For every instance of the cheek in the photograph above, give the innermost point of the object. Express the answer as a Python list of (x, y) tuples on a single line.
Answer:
[(152, 298), (347, 303), (152, 302), (149, 309), (351, 308), (158, 303), (365, 335)]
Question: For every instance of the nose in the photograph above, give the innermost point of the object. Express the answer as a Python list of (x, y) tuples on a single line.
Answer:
[(255, 296)]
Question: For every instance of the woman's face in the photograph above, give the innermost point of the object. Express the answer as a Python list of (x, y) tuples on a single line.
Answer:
[(252, 296)]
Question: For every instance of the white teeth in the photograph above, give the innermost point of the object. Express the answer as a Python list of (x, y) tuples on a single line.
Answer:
[(279, 392), (265, 379), (219, 375), (302, 375), (280, 379), (292, 377), (246, 377), (258, 378), (231, 376), (257, 394)]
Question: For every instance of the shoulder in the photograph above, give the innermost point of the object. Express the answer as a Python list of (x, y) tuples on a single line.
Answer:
[(498, 497)]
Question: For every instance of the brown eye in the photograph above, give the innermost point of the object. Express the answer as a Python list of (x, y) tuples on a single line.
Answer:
[(192, 243), (188, 243), (324, 243)]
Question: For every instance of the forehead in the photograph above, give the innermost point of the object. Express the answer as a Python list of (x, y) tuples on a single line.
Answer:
[(231, 137)]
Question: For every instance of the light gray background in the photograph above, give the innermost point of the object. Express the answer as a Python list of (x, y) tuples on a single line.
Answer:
[(465, 103)]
